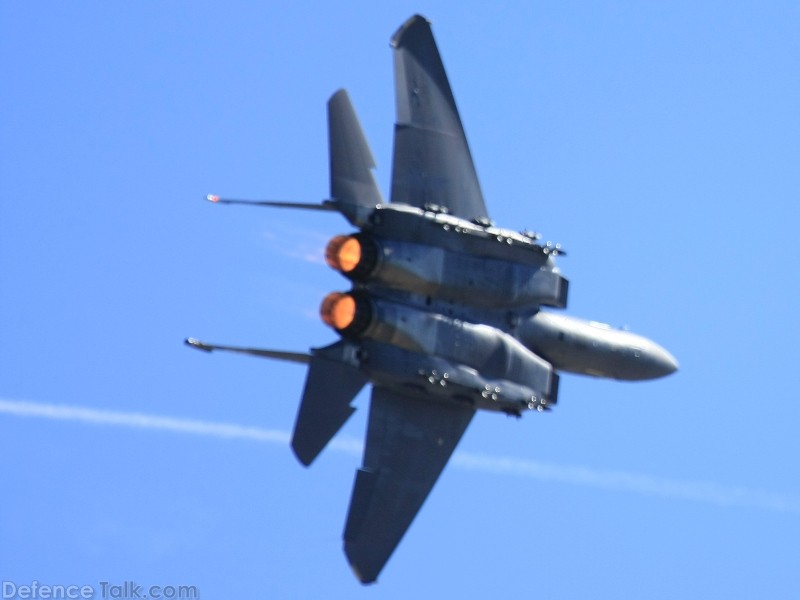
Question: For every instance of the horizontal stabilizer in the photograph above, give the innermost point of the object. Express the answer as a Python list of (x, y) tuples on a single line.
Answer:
[(353, 187), (330, 387)]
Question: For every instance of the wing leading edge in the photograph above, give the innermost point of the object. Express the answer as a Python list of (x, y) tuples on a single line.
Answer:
[(432, 163), (409, 441)]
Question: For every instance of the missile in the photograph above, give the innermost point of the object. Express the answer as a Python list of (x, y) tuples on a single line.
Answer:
[(326, 205)]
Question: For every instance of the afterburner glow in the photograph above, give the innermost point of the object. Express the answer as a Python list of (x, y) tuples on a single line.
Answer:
[(338, 310), (343, 253)]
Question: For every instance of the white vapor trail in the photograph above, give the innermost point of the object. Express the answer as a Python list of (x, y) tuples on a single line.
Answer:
[(613, 480)]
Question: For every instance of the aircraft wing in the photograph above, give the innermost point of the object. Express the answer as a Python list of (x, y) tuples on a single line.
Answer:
[(409, 441), (432, 163)]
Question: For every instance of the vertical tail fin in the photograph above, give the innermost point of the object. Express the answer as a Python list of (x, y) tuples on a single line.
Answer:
[(353, 185)]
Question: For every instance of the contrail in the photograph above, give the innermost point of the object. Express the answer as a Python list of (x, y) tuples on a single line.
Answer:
[(623, 481), (95, 416), (613, 480)]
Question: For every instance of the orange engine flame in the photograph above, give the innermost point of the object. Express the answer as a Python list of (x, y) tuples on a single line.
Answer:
[(343, 253), (338, 310)]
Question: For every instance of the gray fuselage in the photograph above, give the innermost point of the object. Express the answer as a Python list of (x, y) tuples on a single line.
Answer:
[(439, 285)]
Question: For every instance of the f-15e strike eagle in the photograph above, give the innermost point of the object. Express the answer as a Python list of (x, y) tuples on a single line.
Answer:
[(444, 315)]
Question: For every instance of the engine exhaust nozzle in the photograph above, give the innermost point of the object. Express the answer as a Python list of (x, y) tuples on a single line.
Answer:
[(343, 253), (348, 313)]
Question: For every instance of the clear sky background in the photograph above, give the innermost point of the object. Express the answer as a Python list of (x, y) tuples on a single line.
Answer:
[(658, 142)]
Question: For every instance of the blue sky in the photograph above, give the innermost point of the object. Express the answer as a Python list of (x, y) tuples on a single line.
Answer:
[(657, 142)]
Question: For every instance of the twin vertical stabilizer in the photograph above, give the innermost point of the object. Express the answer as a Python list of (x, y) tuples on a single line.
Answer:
[(354, 190)]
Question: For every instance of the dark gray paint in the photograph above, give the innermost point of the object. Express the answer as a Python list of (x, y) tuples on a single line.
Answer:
[(409, 441), (447, 315), (432, 163)]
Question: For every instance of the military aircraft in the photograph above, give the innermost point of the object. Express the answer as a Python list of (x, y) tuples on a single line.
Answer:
[(444, 314)]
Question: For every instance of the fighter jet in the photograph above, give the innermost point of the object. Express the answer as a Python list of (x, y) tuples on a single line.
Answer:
[(445, 312)]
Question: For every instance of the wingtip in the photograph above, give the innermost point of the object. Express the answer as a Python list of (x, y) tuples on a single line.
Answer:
[(411, 23), (362, 578), (341, 92)]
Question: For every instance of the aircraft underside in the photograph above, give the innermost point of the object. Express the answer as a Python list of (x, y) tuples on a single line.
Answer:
[(445, 314)]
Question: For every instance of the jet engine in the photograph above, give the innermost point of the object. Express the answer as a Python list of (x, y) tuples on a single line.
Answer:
[(438, 272), (491, 352)]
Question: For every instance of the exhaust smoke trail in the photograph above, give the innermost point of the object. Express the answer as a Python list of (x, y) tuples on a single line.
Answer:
[(612, 480)]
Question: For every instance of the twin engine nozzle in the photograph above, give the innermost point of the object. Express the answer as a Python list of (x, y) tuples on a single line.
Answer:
[(354, 256), (350, 255)]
